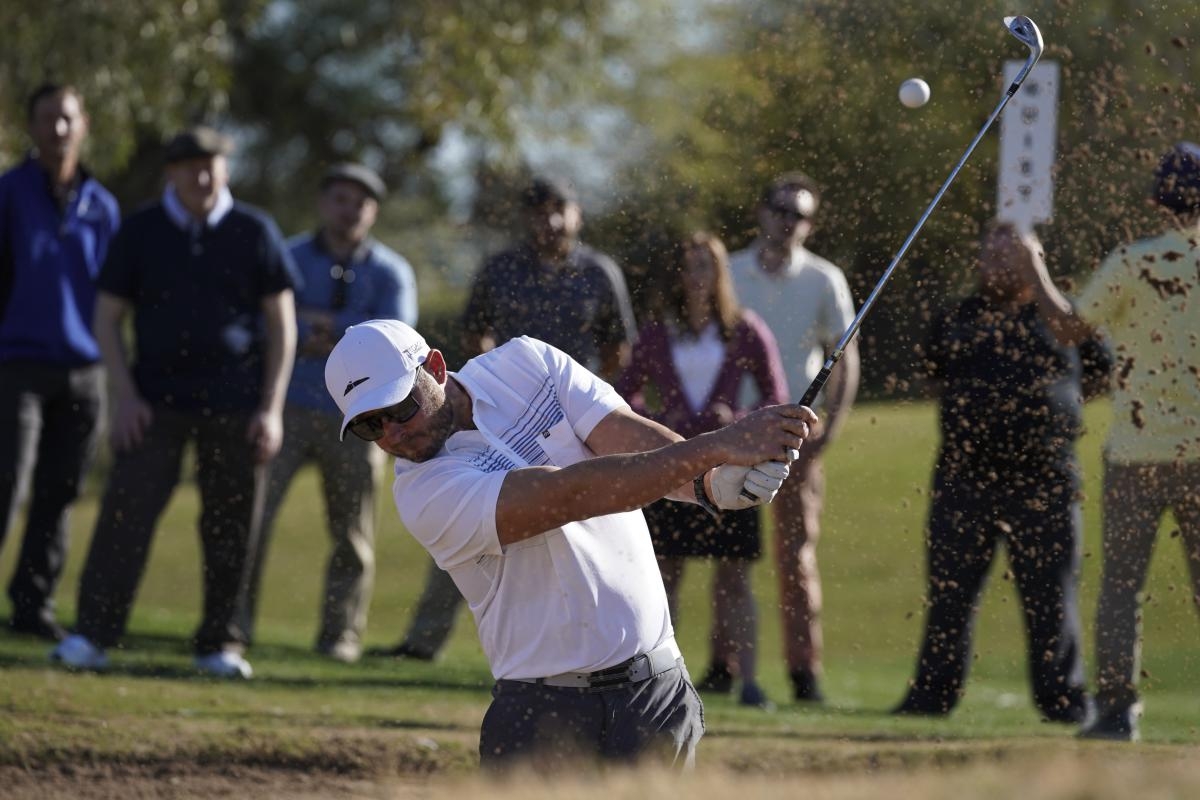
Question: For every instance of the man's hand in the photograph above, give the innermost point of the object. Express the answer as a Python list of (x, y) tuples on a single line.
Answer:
[(265, 433), (130, 419), (764, 435), (762, 481)]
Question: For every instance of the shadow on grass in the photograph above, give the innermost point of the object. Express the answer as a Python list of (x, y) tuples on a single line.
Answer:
[(158, 657)]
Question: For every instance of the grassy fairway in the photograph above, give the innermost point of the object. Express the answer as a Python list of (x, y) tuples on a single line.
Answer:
[(389, 726)]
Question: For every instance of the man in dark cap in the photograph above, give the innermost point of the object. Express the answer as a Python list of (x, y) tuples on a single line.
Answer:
[(347, 278), (208, 282), (554, 288), (56, 222), (1141, 299)]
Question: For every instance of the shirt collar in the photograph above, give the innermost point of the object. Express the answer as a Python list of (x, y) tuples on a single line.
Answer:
[(360, 254), (184, 219)]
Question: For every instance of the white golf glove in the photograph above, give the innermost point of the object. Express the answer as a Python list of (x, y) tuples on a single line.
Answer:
[(762, 481)]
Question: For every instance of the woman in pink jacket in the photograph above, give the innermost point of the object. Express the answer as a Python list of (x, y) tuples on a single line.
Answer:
[(688, 371)]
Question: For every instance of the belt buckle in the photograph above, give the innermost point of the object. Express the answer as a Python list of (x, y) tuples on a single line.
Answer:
[(613, 676)]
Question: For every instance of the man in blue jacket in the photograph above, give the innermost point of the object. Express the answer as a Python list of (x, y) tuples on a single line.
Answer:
[(56, 221), (348, 278)]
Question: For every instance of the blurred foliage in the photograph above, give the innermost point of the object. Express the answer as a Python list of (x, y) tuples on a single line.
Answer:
[(671, 114), (145, 67)]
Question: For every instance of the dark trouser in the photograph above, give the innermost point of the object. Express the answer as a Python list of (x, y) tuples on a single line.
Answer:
[(1041, 528), (551, 728), (49, 421), (139, 488), (1135, 497), (348, 477), (437, 608)]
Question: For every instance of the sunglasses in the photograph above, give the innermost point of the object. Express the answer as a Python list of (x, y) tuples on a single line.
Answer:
[(369, 427)]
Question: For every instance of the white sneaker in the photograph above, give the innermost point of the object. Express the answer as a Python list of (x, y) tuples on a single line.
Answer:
[(77, 652), (224, 664)]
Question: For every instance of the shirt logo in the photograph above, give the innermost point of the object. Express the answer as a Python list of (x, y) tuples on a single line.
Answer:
[(352, 384)]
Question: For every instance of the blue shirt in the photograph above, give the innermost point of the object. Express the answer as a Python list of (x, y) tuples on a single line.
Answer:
[(376, 283), (197, 304), (49, 261)]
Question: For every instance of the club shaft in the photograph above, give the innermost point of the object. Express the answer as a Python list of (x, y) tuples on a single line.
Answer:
[(839, 349)]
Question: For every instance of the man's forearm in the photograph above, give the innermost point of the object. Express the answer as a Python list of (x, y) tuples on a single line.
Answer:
[(602, 485), (840, 393), (280, 351)]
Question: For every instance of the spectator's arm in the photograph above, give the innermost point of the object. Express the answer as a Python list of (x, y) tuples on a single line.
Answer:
[(266, 427), (131, 414)]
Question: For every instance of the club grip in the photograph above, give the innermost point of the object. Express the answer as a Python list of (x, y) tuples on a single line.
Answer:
[(815, 387)]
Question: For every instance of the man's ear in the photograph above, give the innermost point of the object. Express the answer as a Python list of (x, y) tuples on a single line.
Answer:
[(435, 365)]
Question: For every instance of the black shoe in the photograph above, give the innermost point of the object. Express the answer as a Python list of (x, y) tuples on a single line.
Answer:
[(1082, 713), (402, 650), (805, 688), (1115, 726), (753, 696), (41, 627), (910, 708), (717, 680)]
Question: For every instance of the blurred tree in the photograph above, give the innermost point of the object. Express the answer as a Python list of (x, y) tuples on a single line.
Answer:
[(812, 86), (145, 67)]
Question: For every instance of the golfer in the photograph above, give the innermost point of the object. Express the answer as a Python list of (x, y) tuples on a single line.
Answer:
[(523, 475)]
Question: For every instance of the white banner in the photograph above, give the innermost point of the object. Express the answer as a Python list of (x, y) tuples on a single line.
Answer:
[(1027, 136)]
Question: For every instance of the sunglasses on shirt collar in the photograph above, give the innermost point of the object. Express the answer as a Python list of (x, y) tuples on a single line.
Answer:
[(369, 426)]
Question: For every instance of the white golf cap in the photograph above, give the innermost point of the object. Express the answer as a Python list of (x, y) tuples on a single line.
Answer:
[(373, 366)]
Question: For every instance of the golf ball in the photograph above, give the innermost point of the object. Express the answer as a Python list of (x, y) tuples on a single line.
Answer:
[(914, 93)]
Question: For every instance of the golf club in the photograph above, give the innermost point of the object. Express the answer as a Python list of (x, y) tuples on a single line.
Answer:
[(1024, 29)]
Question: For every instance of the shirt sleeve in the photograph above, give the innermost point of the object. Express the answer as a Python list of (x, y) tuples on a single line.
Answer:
[(279, 270), (118, 275), (477, 316), (766, 364), (840, 307), (618, 325), (450, 508), (1106, 300), (585, 398)]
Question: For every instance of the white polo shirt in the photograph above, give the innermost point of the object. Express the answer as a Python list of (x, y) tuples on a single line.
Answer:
[(578, 598), (807, 305)]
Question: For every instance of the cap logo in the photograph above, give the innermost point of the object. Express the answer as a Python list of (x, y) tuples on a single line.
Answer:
[(352, 384)]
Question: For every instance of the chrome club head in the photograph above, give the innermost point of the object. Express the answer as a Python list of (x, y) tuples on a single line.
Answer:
[(1024, 29)]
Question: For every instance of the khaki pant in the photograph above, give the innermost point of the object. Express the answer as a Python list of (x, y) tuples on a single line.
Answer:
[(1135, 497), (797, 510), (348, 480)]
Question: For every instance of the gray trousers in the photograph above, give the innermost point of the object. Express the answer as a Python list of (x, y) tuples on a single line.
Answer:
[(49, 422), (1135, 497), (550, 728), (348, 480), (139, 486)]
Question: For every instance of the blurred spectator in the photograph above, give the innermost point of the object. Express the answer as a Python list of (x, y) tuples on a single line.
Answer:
[(208, 282), (554, 288), (1011, 402), (685, 373), (346, 278), (1140, 298), (56, 222), (806, 303)]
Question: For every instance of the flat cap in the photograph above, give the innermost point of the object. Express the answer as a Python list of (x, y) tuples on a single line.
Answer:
[(198, 142), (365, 177), (542, 189)]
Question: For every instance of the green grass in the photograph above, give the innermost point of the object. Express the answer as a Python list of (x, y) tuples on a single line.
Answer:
[(872, 565)]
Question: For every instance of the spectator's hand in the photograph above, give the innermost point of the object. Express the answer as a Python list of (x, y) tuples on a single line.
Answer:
[(130, 419), (762, 481), (722, 412), (265, 433)]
